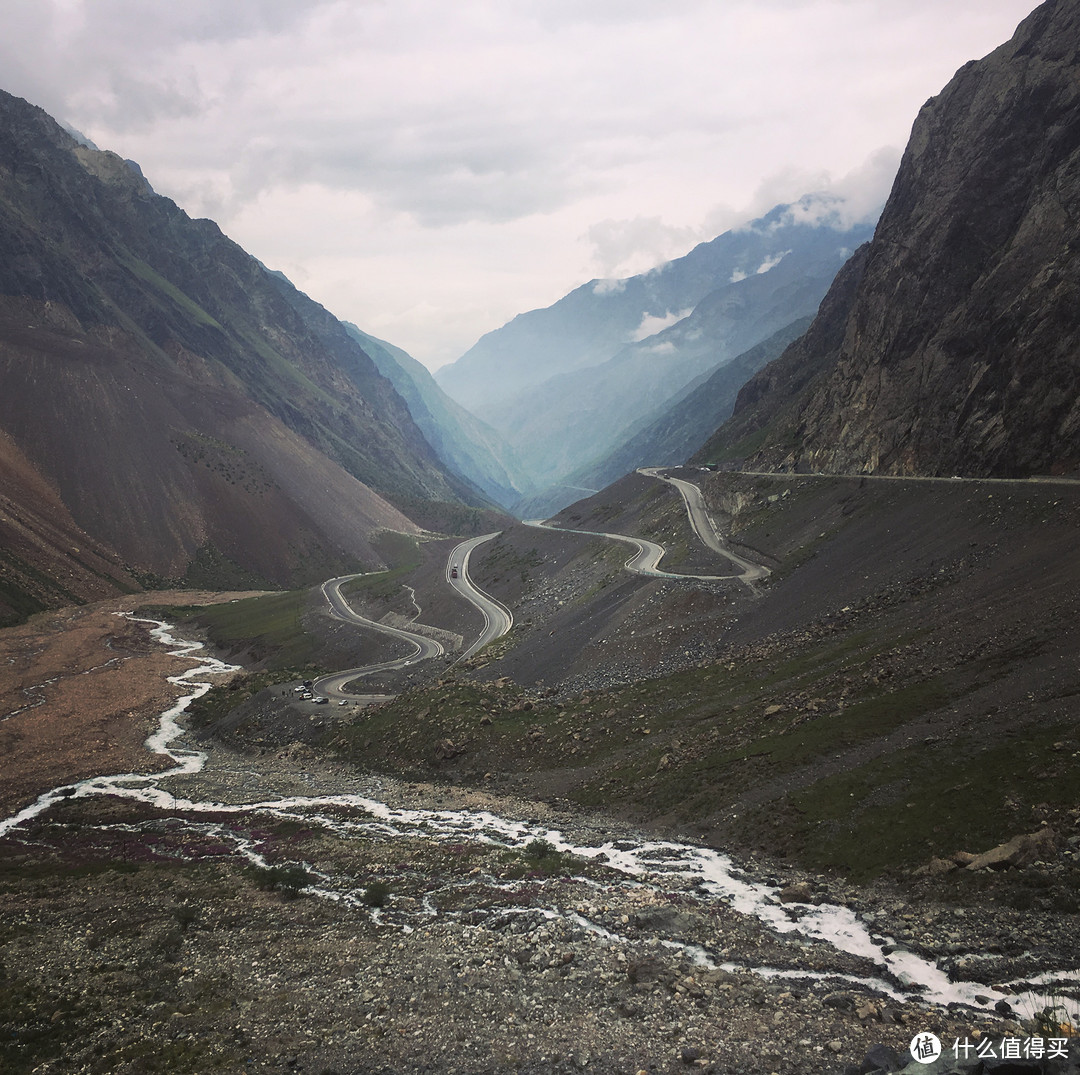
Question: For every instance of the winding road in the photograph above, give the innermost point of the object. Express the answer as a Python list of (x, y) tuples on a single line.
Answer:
[(705, 528), (647, 555), (497, 621), (333, 686)]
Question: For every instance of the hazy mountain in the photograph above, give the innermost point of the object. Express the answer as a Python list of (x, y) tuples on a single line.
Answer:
[(955, 347), (192, 413), (675, 430), (466, 445), (568, 384)]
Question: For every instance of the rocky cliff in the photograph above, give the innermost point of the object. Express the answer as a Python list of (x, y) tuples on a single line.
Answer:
[(960, 348)]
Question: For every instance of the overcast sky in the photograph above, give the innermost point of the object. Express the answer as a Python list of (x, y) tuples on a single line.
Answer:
[(430, 168)]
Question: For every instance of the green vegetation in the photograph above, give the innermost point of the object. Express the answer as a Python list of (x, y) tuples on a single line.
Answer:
[(143, 272), (286, 880), (931, 799), (269, 628), (402, 553), (377, 894)]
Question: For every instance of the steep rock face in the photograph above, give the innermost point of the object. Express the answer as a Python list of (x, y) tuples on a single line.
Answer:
[(768, 406), (961, 352), (186, 404)]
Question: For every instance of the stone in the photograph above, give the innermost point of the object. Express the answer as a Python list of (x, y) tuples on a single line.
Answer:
[(1020, 851), (796, 893), (881, 1058)]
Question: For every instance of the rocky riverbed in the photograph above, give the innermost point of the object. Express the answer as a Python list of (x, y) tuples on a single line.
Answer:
[(281, 912)]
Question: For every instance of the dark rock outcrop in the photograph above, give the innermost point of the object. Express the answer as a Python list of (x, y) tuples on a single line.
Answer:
[(960, 350)]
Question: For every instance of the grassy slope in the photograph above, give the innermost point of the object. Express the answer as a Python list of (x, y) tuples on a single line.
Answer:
[(898, 693)]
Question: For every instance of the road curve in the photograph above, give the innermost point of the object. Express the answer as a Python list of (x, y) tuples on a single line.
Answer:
[(333, 686), (705, 528), (498, 619)]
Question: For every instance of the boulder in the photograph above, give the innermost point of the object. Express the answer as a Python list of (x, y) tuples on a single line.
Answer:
[(881, 1058), (445, 749), (935, 867), (1020, 851), (799, 892)]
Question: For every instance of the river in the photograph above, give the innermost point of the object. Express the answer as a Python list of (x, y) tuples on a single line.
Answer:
[(712, 875)]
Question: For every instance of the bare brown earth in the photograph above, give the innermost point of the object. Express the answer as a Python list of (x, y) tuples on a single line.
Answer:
[(80, 690)]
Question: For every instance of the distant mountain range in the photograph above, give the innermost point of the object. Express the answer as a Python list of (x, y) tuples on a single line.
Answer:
[(951, 344), (566, 386), (460, 439), (170, 408)]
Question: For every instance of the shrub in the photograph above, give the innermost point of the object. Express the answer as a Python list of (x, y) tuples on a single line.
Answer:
[(377, 894), (539, 849), (288, 880)]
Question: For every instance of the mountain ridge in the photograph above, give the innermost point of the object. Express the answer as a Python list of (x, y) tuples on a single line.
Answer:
[(958, 353), (187, 405)]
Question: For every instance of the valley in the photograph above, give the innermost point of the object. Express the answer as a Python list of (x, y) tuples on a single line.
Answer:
[(552, 846), (749, 744)]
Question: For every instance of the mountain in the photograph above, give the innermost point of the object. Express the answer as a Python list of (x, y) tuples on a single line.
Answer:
[(466, 445), (568, 384), (672, 432), (189, 411), (957, 349)]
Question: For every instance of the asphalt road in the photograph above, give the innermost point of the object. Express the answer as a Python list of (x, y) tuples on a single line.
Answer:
[(705, 528), (645, 560), (333, 686), (498, 619)]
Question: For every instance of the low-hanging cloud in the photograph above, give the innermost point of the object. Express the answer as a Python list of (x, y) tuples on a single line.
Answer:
[(576, 138), (631, 246), (651, 324)]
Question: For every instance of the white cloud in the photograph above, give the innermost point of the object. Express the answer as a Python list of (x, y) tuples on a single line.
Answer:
[(651, 325), (609, 286), (634, 246), (771, 262), (439, 167)]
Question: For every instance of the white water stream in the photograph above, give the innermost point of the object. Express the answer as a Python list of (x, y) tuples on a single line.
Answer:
[(904, 975)]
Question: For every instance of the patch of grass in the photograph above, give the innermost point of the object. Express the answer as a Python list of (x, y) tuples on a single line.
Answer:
[(928, 800), (143, 271), (269, 627), (402, 553)]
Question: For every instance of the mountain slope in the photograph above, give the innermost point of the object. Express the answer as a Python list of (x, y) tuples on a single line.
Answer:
[(961, 349), (595, 321), (566, 385), (464, 443), (193, 411), (676, 429)]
